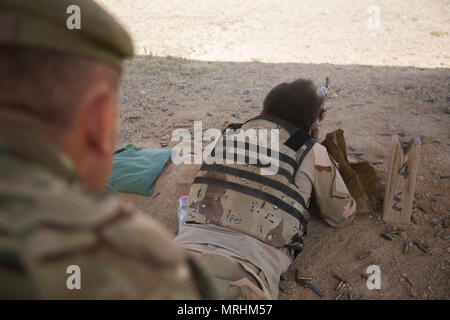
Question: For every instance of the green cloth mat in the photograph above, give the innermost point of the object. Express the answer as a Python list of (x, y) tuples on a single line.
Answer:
[(136, 169)]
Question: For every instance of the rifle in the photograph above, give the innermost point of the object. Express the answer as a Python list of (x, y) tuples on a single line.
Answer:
[(322, 93)]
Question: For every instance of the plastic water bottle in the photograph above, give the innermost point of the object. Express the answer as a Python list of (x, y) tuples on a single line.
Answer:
[(182, 209)]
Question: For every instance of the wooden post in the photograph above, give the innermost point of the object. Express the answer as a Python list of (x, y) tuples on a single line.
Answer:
[(401, 181)]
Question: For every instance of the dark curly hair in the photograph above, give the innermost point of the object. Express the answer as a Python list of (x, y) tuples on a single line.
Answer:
[(296, 102)]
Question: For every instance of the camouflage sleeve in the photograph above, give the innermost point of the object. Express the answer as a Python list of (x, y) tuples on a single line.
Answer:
[(123, 255), (15, 283), (319, 176)]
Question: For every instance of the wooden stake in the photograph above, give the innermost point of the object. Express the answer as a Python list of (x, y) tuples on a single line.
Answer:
[(401, 181)]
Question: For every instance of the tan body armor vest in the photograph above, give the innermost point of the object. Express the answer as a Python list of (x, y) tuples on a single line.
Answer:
[(237, 196)]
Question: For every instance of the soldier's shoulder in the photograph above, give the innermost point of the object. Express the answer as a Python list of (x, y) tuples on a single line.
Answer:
[(175, 274), (143, 239), (317, 155), (321, 156), (48, 226)]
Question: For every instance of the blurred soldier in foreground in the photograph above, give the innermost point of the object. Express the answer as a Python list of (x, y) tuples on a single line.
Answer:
[(246, 227), (60, 236)]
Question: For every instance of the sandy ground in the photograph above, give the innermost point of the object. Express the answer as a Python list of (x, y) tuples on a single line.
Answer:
[(216, 60)]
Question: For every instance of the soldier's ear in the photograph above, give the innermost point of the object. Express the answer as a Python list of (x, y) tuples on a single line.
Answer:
[(101, 128)]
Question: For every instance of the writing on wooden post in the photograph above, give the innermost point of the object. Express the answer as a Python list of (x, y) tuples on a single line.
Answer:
[(401, 180)]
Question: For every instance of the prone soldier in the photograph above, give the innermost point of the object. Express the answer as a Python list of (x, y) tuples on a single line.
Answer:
[(246, 226)]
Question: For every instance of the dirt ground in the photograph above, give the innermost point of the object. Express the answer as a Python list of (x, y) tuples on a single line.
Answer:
[(216, 60)]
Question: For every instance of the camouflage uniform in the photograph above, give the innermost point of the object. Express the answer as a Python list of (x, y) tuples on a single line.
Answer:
[(257, 220), (48, 223), (47, 220)]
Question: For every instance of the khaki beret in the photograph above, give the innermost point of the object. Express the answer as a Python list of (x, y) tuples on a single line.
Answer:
[(53, 24)]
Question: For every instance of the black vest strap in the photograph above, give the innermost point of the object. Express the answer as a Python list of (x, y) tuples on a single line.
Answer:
[(297, 136), (235, 126), (309, 144), (286, 125), (296, 245), (253, 162), (297, 140), (255, 193), (286, 190)]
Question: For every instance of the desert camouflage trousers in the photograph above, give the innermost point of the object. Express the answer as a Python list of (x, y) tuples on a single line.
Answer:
[(242, 267), (234, 279)]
